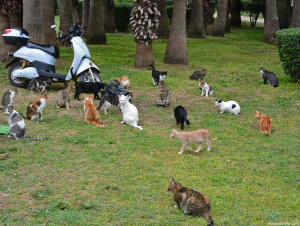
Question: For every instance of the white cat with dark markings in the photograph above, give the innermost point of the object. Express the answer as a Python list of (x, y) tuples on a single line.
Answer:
[(229, 106)]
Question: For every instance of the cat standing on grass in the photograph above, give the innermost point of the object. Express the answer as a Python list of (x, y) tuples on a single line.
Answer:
[(198, 136), (180, 115), (35, 109), (90, 112), (163, 98), (190, 201), (206, 88), (129, 112), (229, 106), (8, 97), (158, 76), (264, 123)]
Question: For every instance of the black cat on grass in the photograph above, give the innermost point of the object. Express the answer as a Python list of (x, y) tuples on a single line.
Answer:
[(180, 115)]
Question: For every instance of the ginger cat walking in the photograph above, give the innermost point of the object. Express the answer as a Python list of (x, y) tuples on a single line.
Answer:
[(90, 112), (264, 123)]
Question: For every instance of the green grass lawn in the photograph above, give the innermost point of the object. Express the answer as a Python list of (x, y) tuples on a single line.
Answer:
[(83, 175)]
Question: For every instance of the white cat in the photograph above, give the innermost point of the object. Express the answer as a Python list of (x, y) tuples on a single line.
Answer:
[(129, 111), (229, 106), (206, 88)]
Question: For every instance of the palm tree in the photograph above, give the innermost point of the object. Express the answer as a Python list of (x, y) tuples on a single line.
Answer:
[(235, 13), (85, 16), (163, 27), (76, 12), (96, 31), (109, 19), (284, 11), (65, 13), (219, 26), (4, 24), (176, 51), (196, 27), (295, 22), (208, 15), (48, 20), (271, 22)]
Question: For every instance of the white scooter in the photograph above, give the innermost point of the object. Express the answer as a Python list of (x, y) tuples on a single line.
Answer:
[(33, 60)]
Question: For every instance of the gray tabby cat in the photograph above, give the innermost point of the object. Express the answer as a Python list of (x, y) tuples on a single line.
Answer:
[(163, 98), (17, 125), (63, 97), (268, 76), (8, 97)]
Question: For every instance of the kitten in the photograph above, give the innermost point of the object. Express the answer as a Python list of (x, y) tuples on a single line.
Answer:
[(63, 97), (197, 136), (269, 77), (124, 81), (39, 84), (35, 109), (198, 75), (180, 115), (129, 112), (88, 87), (8, 97), (163, 98), (190, 201), (229, 106), (206, 88), (158, 76), (111, 100), (90, 113), (264, 123), (17, 125)]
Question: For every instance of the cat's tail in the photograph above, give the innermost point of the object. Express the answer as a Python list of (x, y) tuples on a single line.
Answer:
[(152, 67), (213, 139), (23, 116), (187, 121), (34, 138), (98, 125)]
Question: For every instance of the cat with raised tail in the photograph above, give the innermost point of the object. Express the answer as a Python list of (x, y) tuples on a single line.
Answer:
[(268, 77), (35, 109), (229, 106), (264, 123), (129, 112), (158, 76), (17, 125), (90, 112), (180, 114), (8, 97), (198, 136), (190, 201)]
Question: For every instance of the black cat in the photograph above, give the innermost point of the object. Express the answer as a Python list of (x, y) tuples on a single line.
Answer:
[(268, 76), (88, 87), (180, 115), (158, 76)]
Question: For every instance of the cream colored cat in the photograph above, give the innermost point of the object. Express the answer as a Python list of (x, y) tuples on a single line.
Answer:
[(197, 136)]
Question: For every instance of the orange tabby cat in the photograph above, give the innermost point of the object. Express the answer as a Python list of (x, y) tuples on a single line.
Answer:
[(264, 123), (35, 109), (124, 81), (90, 112)]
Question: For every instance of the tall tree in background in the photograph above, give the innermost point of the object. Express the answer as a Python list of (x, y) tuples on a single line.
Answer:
[(208, 15), (85, 17), (76, 14), (196, 27), (271, 22), (109, 19), (176, 52), (4, 24), (219, 26), (163, 27), (96, 31), (144, 24), (235, 13), (65, 13), (295, 22), (48, 20), (284, 11)]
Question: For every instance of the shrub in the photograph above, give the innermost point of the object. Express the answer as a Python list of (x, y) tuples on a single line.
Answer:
[(288, 42), (122, 14)]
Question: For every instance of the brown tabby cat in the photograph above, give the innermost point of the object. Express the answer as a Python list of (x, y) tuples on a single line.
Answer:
[(264, 123), (90, 112), (63, 97), (190, 201), (35, 109)]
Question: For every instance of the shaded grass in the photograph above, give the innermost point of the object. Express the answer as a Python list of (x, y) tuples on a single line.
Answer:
[(118, 175)]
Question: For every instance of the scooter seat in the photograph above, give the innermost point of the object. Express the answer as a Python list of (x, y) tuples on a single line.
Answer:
[(51, 49)]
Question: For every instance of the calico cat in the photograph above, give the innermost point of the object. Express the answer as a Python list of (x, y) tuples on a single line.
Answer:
[(180, 115), (17, 125), (197, 136), (90, 113), (129, 112), (198, 75), (63, 97), (206, 88), (163, 98), (229, 106), (158, 76), (264, 123), (35, 109), (39, 84), (88, 87), (124, 81), (190, 201), (268, 76), (111, 100), (8, 97)]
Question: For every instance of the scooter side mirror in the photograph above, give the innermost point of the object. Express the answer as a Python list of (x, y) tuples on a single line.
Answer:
[(53, 26)]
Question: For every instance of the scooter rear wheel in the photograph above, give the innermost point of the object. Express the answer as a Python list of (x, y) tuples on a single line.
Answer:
[(14, 81), (86, 76)]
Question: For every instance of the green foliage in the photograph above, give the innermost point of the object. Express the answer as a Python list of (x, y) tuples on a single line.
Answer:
[(254, 8), (122, 14), (40, 194), (288, 42)]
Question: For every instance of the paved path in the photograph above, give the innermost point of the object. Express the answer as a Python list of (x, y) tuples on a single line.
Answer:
[(246, 18)]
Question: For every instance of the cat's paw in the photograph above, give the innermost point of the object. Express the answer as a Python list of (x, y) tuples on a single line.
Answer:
[(122, 122), (222, 112), (176, 206), (180, 153)]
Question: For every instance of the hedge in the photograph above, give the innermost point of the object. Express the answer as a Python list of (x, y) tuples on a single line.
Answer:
[(288, 42)]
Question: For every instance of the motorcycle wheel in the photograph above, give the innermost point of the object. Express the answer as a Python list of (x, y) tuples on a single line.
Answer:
[(86, 76), (14, 81)]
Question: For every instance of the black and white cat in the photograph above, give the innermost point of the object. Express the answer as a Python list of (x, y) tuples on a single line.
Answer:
[(228, 106), (158, 76), (180, 114), (39, 84), (207, 89), (8, 97), (17, 125), (109, 101), (268, 76)]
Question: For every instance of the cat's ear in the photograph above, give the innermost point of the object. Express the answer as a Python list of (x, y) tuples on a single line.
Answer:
[(119, 96), (173, 179)]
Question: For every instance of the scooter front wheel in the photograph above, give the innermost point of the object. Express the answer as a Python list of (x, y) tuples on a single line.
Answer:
[(14, 81), (86, 76)]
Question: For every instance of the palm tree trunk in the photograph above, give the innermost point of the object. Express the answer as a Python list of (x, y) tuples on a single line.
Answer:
[(284, 11), (235, 13), (208, 15), (271, 24), (219, 26), (85, 17), (76, 12), (144, 54), (163, 27), (295, 22), (176, 51), (4, 24), (109, 19), (196, 27), (65, 13), (48, 20)]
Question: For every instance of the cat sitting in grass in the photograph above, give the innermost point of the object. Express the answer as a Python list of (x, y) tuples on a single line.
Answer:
[(268, 77)]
